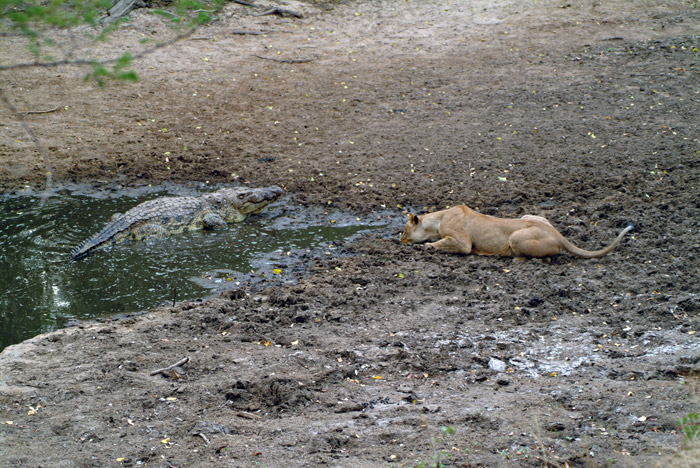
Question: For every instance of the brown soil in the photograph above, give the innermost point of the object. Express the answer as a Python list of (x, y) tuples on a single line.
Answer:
[(583, 112)]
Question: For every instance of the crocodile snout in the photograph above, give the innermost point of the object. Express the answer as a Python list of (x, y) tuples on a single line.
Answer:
[(274, 192), (264, 194)]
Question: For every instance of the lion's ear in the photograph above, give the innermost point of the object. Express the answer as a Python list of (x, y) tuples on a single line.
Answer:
[(413, 218)]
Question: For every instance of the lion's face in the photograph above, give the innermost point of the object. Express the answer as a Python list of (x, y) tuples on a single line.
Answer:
[(413, 231)]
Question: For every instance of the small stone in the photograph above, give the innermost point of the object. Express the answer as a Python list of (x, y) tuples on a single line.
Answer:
[(497, 365)]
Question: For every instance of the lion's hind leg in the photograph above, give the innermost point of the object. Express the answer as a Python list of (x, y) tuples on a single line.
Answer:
[(534, 242), (536, 218)]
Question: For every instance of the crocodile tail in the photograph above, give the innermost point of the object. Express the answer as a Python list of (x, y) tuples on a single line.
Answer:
[(571, 248), (94, 242), (82, 250), (105, 236)]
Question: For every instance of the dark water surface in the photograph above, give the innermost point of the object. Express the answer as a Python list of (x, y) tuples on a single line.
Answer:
[(41, 290)]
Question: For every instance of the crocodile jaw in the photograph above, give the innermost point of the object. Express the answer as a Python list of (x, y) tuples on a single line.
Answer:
[(235, 204)]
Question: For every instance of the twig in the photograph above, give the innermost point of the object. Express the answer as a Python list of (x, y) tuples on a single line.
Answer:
[(284, 60), (51, 64), (177, 364), (206, 441), (41, 111), (81, 62), (281, 12), (57, 63), (243, 32)]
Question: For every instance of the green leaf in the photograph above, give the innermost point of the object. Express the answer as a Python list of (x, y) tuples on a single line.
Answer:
[(128, 76), (123, 61)]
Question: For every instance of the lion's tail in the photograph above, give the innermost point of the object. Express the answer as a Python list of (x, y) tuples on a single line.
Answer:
[(571, 248)]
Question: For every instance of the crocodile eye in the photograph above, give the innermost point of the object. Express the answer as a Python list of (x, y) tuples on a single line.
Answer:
[(241, 196)]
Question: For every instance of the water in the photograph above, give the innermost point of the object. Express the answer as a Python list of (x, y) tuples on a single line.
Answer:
[(41, 290)]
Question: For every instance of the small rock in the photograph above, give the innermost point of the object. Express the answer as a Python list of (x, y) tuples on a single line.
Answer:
[(497, 365), (535, 301)]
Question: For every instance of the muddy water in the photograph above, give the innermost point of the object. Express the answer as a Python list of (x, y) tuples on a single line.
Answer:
[(41, 290)]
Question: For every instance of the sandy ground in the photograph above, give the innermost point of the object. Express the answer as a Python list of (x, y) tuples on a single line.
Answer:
[(583, 112)]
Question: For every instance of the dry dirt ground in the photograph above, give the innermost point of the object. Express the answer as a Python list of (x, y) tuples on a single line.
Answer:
[(584, 112)]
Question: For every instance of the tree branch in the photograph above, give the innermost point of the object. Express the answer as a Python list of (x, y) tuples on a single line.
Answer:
[(83, 62)]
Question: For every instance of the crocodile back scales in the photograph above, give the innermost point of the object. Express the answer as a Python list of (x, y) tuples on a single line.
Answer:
[(179, 211)]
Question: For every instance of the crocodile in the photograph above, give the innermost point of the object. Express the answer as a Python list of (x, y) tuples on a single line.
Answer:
[(158, 218)]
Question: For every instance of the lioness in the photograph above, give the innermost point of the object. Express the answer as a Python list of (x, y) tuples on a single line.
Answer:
[(462, 230)]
